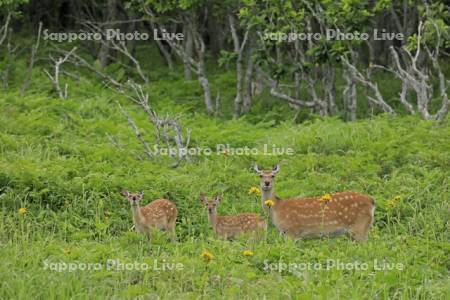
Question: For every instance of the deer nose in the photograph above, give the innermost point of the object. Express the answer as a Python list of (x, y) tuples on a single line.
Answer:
[(267, 183), (134, 198)]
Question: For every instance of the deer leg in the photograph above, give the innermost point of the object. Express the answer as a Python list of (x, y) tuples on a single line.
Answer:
[(258, 235), (172, 232), (289, 235), (148, 234), (360, 229)]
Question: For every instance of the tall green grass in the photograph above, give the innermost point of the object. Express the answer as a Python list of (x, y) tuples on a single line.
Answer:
[(57, 162)]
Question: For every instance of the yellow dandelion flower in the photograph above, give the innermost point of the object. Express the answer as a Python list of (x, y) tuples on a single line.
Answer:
[(23, 210), (390, 204), (393, 202), (254, 190), (326, 198), (207, 255), (269, 203), (247, 253)]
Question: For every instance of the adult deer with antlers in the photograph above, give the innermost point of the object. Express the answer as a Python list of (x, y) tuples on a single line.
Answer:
[(330, 214)]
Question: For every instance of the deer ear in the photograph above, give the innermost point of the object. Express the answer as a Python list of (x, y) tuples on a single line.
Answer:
[(217, 199), (141, 194), (203, 198), (276, 169), (125, 193), (256, 168)]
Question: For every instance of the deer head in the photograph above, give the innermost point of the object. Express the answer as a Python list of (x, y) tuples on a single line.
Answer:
[(267, 177), (134, 198), (210, 204)]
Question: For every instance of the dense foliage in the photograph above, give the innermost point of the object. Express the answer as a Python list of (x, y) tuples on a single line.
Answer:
[(58, 163), (76, 118)]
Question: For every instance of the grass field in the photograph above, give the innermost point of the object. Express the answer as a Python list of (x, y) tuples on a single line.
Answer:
[(61, 177)]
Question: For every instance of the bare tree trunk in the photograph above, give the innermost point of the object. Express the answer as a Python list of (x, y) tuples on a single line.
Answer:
[(104, 53), (34, 50), (216, 34), (197, 65), (165, 53), (121, 47), (258, 83), (248, 82), (168, 131), (297, 84), (201, 72), (321, 106), (329, 86), (350, 96), (418, 78), (377, 98), (239, 51), (188, 50), (4, 29), (63, 94)]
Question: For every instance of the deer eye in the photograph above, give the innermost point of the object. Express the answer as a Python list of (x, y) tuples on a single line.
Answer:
[(260, 176), (273, 176)]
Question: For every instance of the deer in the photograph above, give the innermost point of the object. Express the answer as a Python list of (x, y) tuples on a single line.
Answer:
[(160, 214), (328, 215), (228, 227)]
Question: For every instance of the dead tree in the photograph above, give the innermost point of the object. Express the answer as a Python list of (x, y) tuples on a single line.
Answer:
[(200, 69), (349, 95), (275, 90), (417, 78), (307, 76), (239, 46), (29, 73), (4, 29), (137, 132), (122, 48), (377, 97), (162, 48), (10, 53), (105, 49), (168, 131), (329, 87), (78, 61), (188, 46), (196, 64), (62, 93), (119, 46), (248, 80)]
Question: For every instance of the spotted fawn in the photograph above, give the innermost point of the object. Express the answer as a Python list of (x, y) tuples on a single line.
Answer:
[(231, 226), (160, 214)]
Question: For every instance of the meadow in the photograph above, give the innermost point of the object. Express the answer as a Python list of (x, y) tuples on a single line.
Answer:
[(61, 207)]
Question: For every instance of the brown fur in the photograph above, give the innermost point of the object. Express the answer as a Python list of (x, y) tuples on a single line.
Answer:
[(160, 214), (231, 226), (312, 217)]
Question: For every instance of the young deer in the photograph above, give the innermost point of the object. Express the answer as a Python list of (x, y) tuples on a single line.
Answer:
[(160, 214), (231, 226), (317, 216)]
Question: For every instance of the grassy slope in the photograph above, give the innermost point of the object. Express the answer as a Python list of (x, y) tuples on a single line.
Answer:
[(56, 160)]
